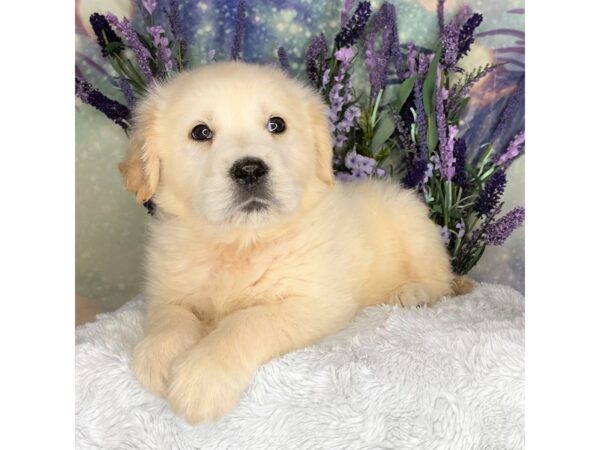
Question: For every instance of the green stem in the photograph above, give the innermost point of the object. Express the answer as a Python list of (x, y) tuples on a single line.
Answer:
[(375, 109)]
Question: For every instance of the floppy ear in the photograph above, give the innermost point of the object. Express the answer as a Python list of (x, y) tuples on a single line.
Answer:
[(140, 169), (323, 141)]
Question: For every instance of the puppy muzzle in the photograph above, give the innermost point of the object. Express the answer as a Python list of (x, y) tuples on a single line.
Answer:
[(250, 176)]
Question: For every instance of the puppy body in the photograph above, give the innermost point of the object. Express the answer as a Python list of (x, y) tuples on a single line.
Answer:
[(228, 295)]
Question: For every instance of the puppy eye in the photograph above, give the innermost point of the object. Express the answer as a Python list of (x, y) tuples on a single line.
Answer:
[(276, 125), (201, 133)]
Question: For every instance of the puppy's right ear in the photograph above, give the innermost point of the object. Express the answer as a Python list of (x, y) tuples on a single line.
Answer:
[(322, 136), (140, 169)]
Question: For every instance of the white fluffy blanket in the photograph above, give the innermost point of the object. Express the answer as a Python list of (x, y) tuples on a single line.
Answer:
[(446, 377)]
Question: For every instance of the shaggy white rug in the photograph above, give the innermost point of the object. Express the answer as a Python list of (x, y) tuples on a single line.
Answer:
[(446, 377)]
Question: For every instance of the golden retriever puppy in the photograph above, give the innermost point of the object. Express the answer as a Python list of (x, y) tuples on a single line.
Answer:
[(255, 250)]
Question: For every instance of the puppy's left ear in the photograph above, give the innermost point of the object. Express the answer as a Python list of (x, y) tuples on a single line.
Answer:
[(322, 137), (140, 169)]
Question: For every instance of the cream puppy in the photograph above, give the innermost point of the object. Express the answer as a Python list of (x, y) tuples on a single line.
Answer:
[(255, 250)]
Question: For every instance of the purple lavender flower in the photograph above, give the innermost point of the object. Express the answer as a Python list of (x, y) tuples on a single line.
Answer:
[(445, 233), (340, 95), (500, 230), (428, 172), (314, 59), (446, 145), (466, 34), (344, 176), (339, 140), (161, 43), (150, 5), (447, 158), (422, 66), (238, 34), (172, 14), (112, 109), (284, 62), (512, 151), (352, 30), (450, 39), (421, 118), (411, 61), (127, 92), (435, 159), (344, 55), (360, 167), (440, 15), (377, 61), (141, 53), (352, 113), (460, 174), (416, 173), (104, 33), (348, 5), (488, 199)]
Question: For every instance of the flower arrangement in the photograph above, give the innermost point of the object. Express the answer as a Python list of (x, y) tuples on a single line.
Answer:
[(408, 128)]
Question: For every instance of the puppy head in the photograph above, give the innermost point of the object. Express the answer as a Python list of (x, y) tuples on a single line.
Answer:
[(232, 143)]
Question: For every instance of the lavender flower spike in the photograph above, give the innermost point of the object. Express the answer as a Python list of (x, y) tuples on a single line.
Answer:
[(421, 119), (141, 53), (315, 58), (440, 15), (104, 33), (416, 174), (490, 196), (466, 38), (460, 152), (353, 30), (446, 145), (238, 34), (348, 5), (149, 5), (377, 61), (284, 62), (175, 22), (512, 151), (127, 92), (161, 43), (449, 40), (500, 230), (112, 109)]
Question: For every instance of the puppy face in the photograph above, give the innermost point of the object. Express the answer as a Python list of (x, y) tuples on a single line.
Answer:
[(231, 143)]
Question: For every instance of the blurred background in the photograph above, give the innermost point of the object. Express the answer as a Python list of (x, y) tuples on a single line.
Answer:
[(110, 226)]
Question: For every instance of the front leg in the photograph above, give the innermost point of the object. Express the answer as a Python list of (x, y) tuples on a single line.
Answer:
[(208, 381), (169, 331)]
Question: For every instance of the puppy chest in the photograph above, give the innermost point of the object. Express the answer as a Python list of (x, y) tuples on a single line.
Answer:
[(215, 287)]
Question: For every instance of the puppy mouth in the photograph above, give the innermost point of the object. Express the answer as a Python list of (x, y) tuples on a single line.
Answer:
[(254, 204)]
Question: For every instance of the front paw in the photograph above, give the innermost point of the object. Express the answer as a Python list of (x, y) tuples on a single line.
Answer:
[(151, 365), (154, 356), (202, 389)]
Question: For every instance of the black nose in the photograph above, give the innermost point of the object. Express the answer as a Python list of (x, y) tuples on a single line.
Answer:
[(249, 172)]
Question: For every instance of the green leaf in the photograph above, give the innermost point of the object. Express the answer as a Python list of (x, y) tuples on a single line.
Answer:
[(402, 92), (432, 133), (454, 214), (429, 83), (385, 128)]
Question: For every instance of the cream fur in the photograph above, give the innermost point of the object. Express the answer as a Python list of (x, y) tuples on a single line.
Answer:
[(227, 290)]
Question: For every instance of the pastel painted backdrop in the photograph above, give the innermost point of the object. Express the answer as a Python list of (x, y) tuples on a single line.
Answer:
[(110, 226)]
